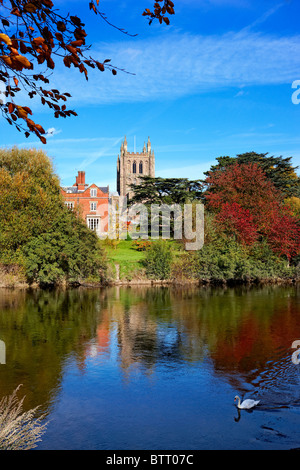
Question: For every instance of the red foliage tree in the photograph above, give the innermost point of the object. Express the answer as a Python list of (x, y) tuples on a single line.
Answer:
[(237, 221), (284, 234), (244, 184), (248, 205)]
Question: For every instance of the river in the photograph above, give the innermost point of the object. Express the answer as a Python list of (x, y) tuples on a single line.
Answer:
[(152, 368)]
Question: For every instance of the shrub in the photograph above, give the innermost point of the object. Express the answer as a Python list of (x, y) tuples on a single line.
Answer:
[(69, 252), (158, 260), (141, 245), (228, 260), (185, 267), (112, 242)]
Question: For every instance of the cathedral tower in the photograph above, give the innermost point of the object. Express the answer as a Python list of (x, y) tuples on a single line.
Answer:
[(132, 165)]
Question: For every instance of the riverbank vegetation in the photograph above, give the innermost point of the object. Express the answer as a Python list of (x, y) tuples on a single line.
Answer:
[(252, 220), (251, 227), (40, 237), (19, 429)]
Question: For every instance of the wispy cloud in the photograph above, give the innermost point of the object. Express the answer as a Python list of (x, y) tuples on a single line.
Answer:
[(51, 132), (264, 17), (214, 3), (182, 64), (104, 152), (240, 93), (70, 141)]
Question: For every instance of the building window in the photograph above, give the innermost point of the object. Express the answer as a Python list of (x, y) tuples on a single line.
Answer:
[(70, 205), (134, 167), (93, 206), (93, 192), (93, 223), (141, 167)]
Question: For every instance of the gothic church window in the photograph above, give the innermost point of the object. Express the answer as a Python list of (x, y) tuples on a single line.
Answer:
[(141, 168), (134, 167)]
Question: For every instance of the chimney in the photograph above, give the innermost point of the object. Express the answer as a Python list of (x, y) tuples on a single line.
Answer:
[(80, 181)]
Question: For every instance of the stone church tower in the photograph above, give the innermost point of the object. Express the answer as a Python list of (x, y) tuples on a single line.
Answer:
[(131, 165)]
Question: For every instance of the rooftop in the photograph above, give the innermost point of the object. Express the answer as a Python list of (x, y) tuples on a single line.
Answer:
[(75, 190)]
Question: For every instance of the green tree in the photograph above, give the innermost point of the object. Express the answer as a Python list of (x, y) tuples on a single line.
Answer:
[(29, 197), (37, 229), (169, 191), (166, 191)]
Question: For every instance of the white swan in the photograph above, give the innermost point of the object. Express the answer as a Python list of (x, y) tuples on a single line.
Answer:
[(246, 404)]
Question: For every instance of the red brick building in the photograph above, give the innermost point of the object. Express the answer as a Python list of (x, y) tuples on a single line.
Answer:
[(91, 202)]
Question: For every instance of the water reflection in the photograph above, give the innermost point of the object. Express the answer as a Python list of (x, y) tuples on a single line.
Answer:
[(241, 337)]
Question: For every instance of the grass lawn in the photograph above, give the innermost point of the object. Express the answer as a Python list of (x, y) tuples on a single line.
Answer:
[(129, 259)]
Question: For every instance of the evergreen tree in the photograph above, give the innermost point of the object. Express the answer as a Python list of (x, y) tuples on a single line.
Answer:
[(166, 191)]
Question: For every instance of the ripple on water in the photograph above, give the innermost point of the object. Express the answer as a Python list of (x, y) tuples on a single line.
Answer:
[(278, 386)]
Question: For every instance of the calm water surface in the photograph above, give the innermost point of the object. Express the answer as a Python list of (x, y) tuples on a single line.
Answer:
[(156, 368)]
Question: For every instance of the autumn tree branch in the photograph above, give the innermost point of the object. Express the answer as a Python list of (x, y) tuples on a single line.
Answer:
[(33, 33)]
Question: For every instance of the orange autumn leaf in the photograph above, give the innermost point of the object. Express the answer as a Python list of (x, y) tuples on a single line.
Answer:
[(24, 61), (6, 39), (11, 108)]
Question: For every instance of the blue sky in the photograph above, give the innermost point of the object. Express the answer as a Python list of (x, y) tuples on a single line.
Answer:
[(217, 81)]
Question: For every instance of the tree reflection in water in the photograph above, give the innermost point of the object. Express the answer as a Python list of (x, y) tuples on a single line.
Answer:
[(243, 335)]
